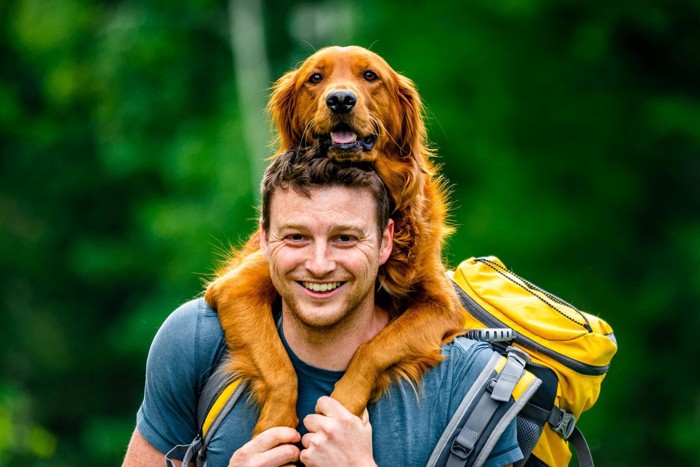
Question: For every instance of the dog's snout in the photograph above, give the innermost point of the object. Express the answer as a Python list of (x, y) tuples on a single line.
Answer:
[(341, 102)]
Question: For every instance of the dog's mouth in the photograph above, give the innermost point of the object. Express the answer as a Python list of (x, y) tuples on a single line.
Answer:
[(342, 137)]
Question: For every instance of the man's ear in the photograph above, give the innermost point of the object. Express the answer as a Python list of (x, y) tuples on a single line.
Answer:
[(263, 241), (387, 242)]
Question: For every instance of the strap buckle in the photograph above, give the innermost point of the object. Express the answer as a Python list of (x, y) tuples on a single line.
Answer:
[(464, 443), (562, 422), (460, 451), (185, 452), (510, 374), (519, 353)]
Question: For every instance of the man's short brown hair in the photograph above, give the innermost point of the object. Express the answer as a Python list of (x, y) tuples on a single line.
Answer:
[(305, 169)]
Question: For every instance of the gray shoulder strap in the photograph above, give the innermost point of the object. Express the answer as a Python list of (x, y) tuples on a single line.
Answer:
[(196, 450), (467, 402), (489, 394), (216, 383)]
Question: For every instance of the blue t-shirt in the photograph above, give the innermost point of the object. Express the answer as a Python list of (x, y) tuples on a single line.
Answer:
[(406, 422)]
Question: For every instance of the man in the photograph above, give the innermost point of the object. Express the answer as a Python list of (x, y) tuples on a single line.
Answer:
[(326, 232)]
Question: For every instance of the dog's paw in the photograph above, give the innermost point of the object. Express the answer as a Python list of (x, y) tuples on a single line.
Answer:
[(352, 395), (277, 413)]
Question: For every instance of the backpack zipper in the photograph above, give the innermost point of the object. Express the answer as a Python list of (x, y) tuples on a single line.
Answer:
[(532, 288), (490, 321)]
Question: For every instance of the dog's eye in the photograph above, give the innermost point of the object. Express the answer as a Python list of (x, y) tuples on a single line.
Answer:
[(369, 75), (315, 78)]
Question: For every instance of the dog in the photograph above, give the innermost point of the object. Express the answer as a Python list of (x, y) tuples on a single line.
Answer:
[(350, 104)]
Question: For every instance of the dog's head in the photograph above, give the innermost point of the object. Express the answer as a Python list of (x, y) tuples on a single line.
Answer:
[(350, 102)]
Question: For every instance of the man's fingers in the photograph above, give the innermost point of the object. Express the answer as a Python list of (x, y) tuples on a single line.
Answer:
[(307, 438), (313, 424), (328, 412), (268, 439), (329, 407), (336, 436), (272, 447), (284, 454)]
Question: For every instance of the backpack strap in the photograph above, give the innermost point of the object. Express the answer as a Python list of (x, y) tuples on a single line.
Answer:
[(497, 391), (564, 423), (583, 452), (221, 407), (217, 399), (486, 411)]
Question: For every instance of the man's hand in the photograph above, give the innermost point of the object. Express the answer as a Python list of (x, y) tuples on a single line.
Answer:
[(271, 448), (336, 437)]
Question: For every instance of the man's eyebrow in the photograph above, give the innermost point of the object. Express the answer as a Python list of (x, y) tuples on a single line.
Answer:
[(348, 228), (339, 228), (292, 226)]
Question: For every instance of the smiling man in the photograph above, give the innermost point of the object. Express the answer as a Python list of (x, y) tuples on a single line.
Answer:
[(326, 232), (324, 259)]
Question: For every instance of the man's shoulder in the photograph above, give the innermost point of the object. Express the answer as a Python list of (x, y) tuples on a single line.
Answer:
[(193, 317), (192, 311), (193, 327), (429, 405), (462, 350), (184, 352), (463, 361)]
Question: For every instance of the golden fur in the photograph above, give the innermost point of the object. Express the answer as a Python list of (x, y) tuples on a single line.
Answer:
[(387, 121)]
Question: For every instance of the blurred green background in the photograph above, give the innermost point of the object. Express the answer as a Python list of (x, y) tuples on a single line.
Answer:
[(133, 137)]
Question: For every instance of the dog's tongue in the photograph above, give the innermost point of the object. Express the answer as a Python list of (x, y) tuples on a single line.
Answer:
[(343, 137)]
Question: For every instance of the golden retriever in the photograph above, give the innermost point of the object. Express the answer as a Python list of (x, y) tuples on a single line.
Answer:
[(355, 107)]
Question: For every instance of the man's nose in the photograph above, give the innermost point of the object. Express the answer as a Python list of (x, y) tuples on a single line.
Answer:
[(320, 262)]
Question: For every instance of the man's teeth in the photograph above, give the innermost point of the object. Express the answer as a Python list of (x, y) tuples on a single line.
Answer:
[(325, 287)]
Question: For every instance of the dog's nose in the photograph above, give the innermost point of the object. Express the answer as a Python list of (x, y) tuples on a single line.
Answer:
[(341, 102)]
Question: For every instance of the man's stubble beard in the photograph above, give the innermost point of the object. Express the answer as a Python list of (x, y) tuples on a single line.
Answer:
[(342, 322)]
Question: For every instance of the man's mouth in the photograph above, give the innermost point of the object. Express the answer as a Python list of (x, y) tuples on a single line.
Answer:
[(343, 137), (321, 287)]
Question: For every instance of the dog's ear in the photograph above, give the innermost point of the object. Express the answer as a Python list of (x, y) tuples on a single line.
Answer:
[(281, 109), (412, 138)]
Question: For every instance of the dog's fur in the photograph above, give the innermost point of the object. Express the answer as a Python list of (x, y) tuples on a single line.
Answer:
[(387, 123)]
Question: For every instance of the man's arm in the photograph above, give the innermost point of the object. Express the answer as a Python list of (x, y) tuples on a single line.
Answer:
[(141, 453), (272, 448), (183, 349)]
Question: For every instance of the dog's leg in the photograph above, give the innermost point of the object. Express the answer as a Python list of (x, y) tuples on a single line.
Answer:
[(243, 298), (412, 341)]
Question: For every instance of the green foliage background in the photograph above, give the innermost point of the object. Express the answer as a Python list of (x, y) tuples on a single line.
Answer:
[(570, 131)]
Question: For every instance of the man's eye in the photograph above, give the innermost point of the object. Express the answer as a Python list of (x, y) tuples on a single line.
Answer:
[(295, 237), (345, 238)]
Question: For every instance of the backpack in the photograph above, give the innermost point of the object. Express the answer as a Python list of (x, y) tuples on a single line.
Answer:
[(569, 351), (550, 363)]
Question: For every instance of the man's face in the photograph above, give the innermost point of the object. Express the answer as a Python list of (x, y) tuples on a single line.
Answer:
[(324, 253)]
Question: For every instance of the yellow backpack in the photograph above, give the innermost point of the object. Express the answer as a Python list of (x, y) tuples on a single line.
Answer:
[(569, 350)]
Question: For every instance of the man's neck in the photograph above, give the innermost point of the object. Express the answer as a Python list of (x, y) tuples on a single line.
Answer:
[(332, 349)]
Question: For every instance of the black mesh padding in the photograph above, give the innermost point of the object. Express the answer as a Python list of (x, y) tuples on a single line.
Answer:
[(528, 434), (531, 422)]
